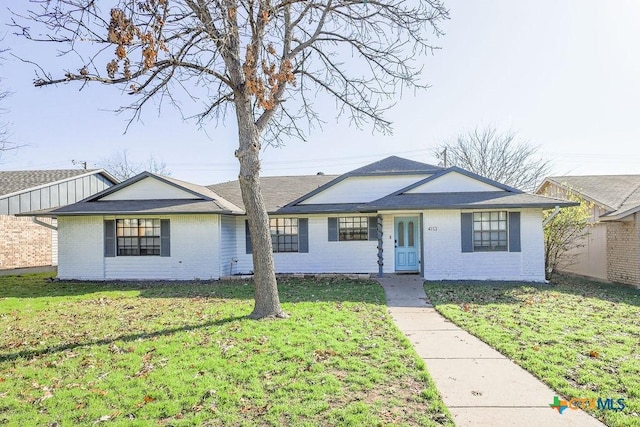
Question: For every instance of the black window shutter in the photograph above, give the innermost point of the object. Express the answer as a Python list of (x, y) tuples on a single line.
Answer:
[(466, 231), (303, 235), (333, 229), (373, 228), (247, 237), (109, 238), (514, 231), (165, 238)]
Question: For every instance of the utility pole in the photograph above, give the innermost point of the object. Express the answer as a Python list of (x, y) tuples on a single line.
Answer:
[(80, 162)]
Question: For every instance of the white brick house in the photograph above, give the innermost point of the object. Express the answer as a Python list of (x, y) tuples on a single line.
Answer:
[(395, 215)]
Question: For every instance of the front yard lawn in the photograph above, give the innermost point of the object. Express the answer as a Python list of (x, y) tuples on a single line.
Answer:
[(582, 338), (174, 354)]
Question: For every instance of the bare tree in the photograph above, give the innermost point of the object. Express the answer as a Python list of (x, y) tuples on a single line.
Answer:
[(498, 156), (5, 144), (122, 167), (267, 60)]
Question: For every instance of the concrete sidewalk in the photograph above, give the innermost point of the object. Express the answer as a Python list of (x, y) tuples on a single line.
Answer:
[(480, 386)]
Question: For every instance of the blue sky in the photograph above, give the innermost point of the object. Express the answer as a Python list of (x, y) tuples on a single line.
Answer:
[(564, 75)]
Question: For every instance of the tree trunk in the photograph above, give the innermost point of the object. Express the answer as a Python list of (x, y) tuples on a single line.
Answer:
[(267, 302)]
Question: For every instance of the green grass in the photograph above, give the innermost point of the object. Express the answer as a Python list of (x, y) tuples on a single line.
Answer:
[(75, 353), (582, 338)]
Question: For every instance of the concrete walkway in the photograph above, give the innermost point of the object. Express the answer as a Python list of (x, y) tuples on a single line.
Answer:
[(480, 386)]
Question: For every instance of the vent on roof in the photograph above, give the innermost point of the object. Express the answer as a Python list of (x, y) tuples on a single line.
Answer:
[(320, 173)]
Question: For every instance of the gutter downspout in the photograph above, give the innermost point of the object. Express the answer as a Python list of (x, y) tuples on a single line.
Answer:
[(44, 224), (555, 212)]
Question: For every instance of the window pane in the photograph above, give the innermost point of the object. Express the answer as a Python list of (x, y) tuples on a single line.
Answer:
[(490, 231), (401, 234), (138, 237), (353, 228), (284, 234)]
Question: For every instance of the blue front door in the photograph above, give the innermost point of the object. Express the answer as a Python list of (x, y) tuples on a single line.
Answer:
[(406, 230)]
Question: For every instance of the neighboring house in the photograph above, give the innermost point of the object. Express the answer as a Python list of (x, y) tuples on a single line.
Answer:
[(23, 242), (611, 251), (392, 216)]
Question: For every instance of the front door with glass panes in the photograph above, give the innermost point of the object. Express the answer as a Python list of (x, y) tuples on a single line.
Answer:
[(406, 244)]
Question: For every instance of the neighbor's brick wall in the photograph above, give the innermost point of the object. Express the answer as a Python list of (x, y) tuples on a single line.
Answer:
[(24, 243), (623, 252)]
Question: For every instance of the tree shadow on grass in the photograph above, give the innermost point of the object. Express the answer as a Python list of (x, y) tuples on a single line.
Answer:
[(291, 290), (104, 341), (492, 292)]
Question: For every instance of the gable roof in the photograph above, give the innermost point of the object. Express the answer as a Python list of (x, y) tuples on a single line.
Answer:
[(461, 171), (509, 197), (618, 194), (392, 165), (15, 182), (204, 201), (277, 191), (198, 191), (283, 194)]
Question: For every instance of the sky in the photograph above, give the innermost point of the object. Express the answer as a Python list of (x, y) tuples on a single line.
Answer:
[(563, 75)]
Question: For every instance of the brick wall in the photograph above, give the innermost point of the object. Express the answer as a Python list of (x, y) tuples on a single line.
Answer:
[(623, 252), (194, 251), (444, 259), (24, 243)]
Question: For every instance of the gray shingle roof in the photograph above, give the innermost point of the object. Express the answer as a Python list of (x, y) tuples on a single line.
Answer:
[(395, 164), (470, 200), (277, 191), (281, 192), (332, 208), (618, 193), (17, 181), (204, 201), (111, 207)]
